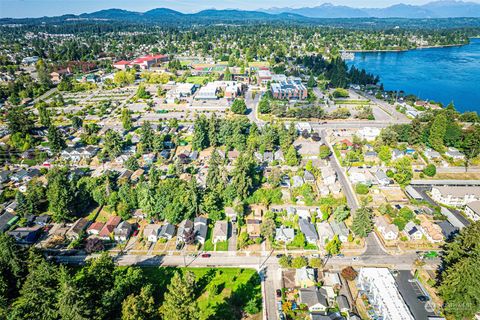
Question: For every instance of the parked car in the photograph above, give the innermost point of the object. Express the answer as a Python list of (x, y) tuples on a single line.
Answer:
[(279, 293), (206, 255)]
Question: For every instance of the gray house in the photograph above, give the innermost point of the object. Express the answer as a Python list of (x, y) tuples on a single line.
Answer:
[(200, 229), (308, 230)]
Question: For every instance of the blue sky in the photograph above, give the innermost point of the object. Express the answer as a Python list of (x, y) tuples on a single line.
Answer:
[(39, 8)]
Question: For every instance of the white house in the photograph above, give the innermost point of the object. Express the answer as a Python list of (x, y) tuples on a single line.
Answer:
[(285, 235), (328, 175), (382, 178), (151, 231), (220, 231), (412, 231), (369, 133), (455, 154), (314, 298), (387, 230)]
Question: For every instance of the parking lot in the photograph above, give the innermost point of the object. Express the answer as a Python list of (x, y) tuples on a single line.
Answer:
[(411, 291)]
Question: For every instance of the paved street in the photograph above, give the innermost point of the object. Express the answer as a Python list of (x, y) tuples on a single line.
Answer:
[(342, 176)]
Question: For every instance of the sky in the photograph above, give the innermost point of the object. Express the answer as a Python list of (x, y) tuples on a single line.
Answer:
[(40, 8)]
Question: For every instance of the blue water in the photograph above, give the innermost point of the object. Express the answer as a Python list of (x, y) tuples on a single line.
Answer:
[(440, 74)]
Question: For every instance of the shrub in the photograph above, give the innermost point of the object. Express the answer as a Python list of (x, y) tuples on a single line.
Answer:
[(430, 170), (361, 188)]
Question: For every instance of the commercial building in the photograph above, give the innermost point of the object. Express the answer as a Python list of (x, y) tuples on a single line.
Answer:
[(379, 286), (145, 62), (289, 89)]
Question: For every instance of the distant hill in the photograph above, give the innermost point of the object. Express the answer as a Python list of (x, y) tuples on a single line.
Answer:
[(437, 9)]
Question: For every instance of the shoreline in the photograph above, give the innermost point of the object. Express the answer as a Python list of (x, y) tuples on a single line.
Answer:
[(405, 50)]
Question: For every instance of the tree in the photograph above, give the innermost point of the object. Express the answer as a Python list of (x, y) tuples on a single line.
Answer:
[(60, 195), (459, 281), (132, 163), (385, 154), (299, 262), (179, 302), (200, 139), (43, 74), (349, 274), (19, 120), (141, 306), (242, 176), (437, 132), (77, 122), (94, 245), (44, 114), (126, 119), (267, 229), (142, 93), (311, 82), (471, 145), (361, 188), (324, 151), (333, 246), (23, 206), (264, 106), (341, 213), (292, 158), (55, 139), (38, 293), (239, 106), (362, 223), (430, 170), (315, 263), (113, 144), (123, 77), (284, 262), (403, 171)]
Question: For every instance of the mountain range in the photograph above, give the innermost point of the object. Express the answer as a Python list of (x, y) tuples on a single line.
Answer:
[(437, 9)]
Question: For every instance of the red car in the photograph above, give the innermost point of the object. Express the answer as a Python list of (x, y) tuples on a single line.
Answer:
[(206, 255), (135, 233)]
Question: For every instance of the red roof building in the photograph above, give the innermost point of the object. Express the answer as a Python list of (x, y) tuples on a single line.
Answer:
[(108, 228), (95, 228)]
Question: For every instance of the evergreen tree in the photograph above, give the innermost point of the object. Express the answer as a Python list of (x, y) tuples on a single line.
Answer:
[(60, 195), (147, 136), (141, 306), (126, 119), (44, 114), (362, 223), (239, 106), (200, 134), (292, 158), (77, 122), (113, 144), (55, 139), (23, 205), (437, 132), (179, 302)]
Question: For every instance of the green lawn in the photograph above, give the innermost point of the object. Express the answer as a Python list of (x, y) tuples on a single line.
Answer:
[(208, 246), (197, 80), (222, 293), (222, 246)]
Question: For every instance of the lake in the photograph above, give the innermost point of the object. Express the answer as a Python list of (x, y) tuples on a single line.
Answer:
[(441, 74)]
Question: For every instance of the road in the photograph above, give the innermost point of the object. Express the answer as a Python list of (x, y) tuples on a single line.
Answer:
[(352, 200), (252, 104), (45, 95)]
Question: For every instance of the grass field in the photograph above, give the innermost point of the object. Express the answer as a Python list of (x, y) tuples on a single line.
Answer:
[(197, 80), (222, 293)]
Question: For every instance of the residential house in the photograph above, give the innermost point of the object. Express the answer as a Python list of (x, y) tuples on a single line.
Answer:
[(455, 154), (220, 231), (448, 230), (342, 304), (370, 156), (109, 227), (432, 231), (231, 214), (455, 196), (340, 229), (167, 231), (397, 154), (77, 228), (78, 154), (329, 176), (387, 230), (19, 175), (200, 229), (357, 177), (26, 235), (284, 235), (308, 176), (7, 220), (305, 277), (472, 210), (186, 233), (412, 231), (314, 298), (368, 133), (137, 174), (432, 154), (122, 231), (325, 232), (151, 231), (382, 178), (308, 230), (297, 181), (12, 207), (42, 220), (253, 228), (95, 228)]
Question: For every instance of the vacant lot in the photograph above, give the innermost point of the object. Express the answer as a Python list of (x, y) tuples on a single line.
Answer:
[(222, 293)]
